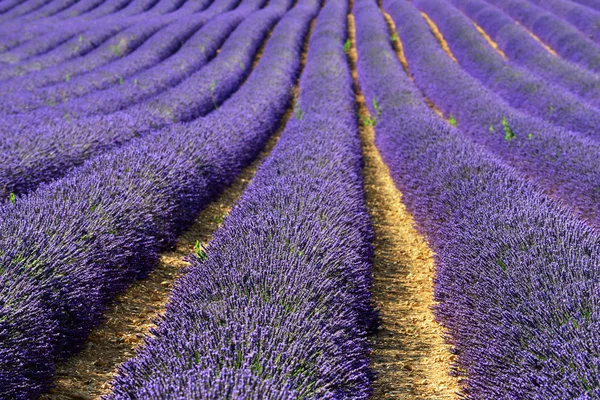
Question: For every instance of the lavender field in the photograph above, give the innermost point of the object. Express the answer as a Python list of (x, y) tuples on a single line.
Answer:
[(299, 199)]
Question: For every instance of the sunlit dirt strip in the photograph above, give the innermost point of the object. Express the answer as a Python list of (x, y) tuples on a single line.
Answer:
[(537, 39), (438, 35), (397, 45), (87, 375), (488, 39), (409, 354)]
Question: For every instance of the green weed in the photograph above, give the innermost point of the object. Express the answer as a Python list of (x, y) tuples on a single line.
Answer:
[(347, 46), (452, 120), (509, 134), (200, 251)]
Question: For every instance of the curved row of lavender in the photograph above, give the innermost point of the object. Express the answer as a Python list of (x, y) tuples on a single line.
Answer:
[(517, 276), (125, 42), (43, 153), (280, 307), (519, 87), (583, 18), (74, 37), (153, 51), (74, 243), (518, 45), (30, 8), (49, 33), (564, 163), (42, 54), (561, 36), (589, 3), (29, 34)]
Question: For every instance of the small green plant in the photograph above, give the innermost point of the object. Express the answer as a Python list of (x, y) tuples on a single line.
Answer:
[(298, 113), (80, 38), (376, 106), (452, 120), (213, 85), (67, 117), (367, 120), (68, 77), (121, 80), (509, 134), (347, 46), (501, 264), (394, 37), (13, 198), (530, 136), (94, 207), (491, 128), (200, 251), (116, 49), (219, 219), (551, 108), (135, 82)]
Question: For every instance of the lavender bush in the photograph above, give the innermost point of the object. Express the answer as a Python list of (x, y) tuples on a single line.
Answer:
[(561, 36), (70, 246), (279, 308), (564, 163), (517, 274), (520, 47), (44, 153), (517, 86)]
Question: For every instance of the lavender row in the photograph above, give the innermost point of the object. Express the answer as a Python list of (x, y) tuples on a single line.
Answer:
[(589, 3), (23, 9), (520, 47), (516, 273), (29, 43), (562, 37), (7, 5), (109, 8), (48, 151), (112, 50), (583, 18), (49, 9), (520, 88), (155, 50), (565, 164), (92, 232), (180, 73), (280, 307), (60, 47)]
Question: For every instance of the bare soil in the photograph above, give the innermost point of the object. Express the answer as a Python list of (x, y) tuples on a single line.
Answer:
[(489, 39), (409, 354), (438, 35)]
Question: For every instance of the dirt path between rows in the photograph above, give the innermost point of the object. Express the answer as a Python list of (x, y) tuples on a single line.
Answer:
[(409, 354), (87, 375)]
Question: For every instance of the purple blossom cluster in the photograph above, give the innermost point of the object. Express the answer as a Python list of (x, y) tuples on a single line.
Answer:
[(112, 50), (564, 163), (517, 275), (40, 153), (31, 40), (151, 52), (71, 245), (520, 47), (46, 30), (583, 18), (561, 36), (519, 87), (280, 306)]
